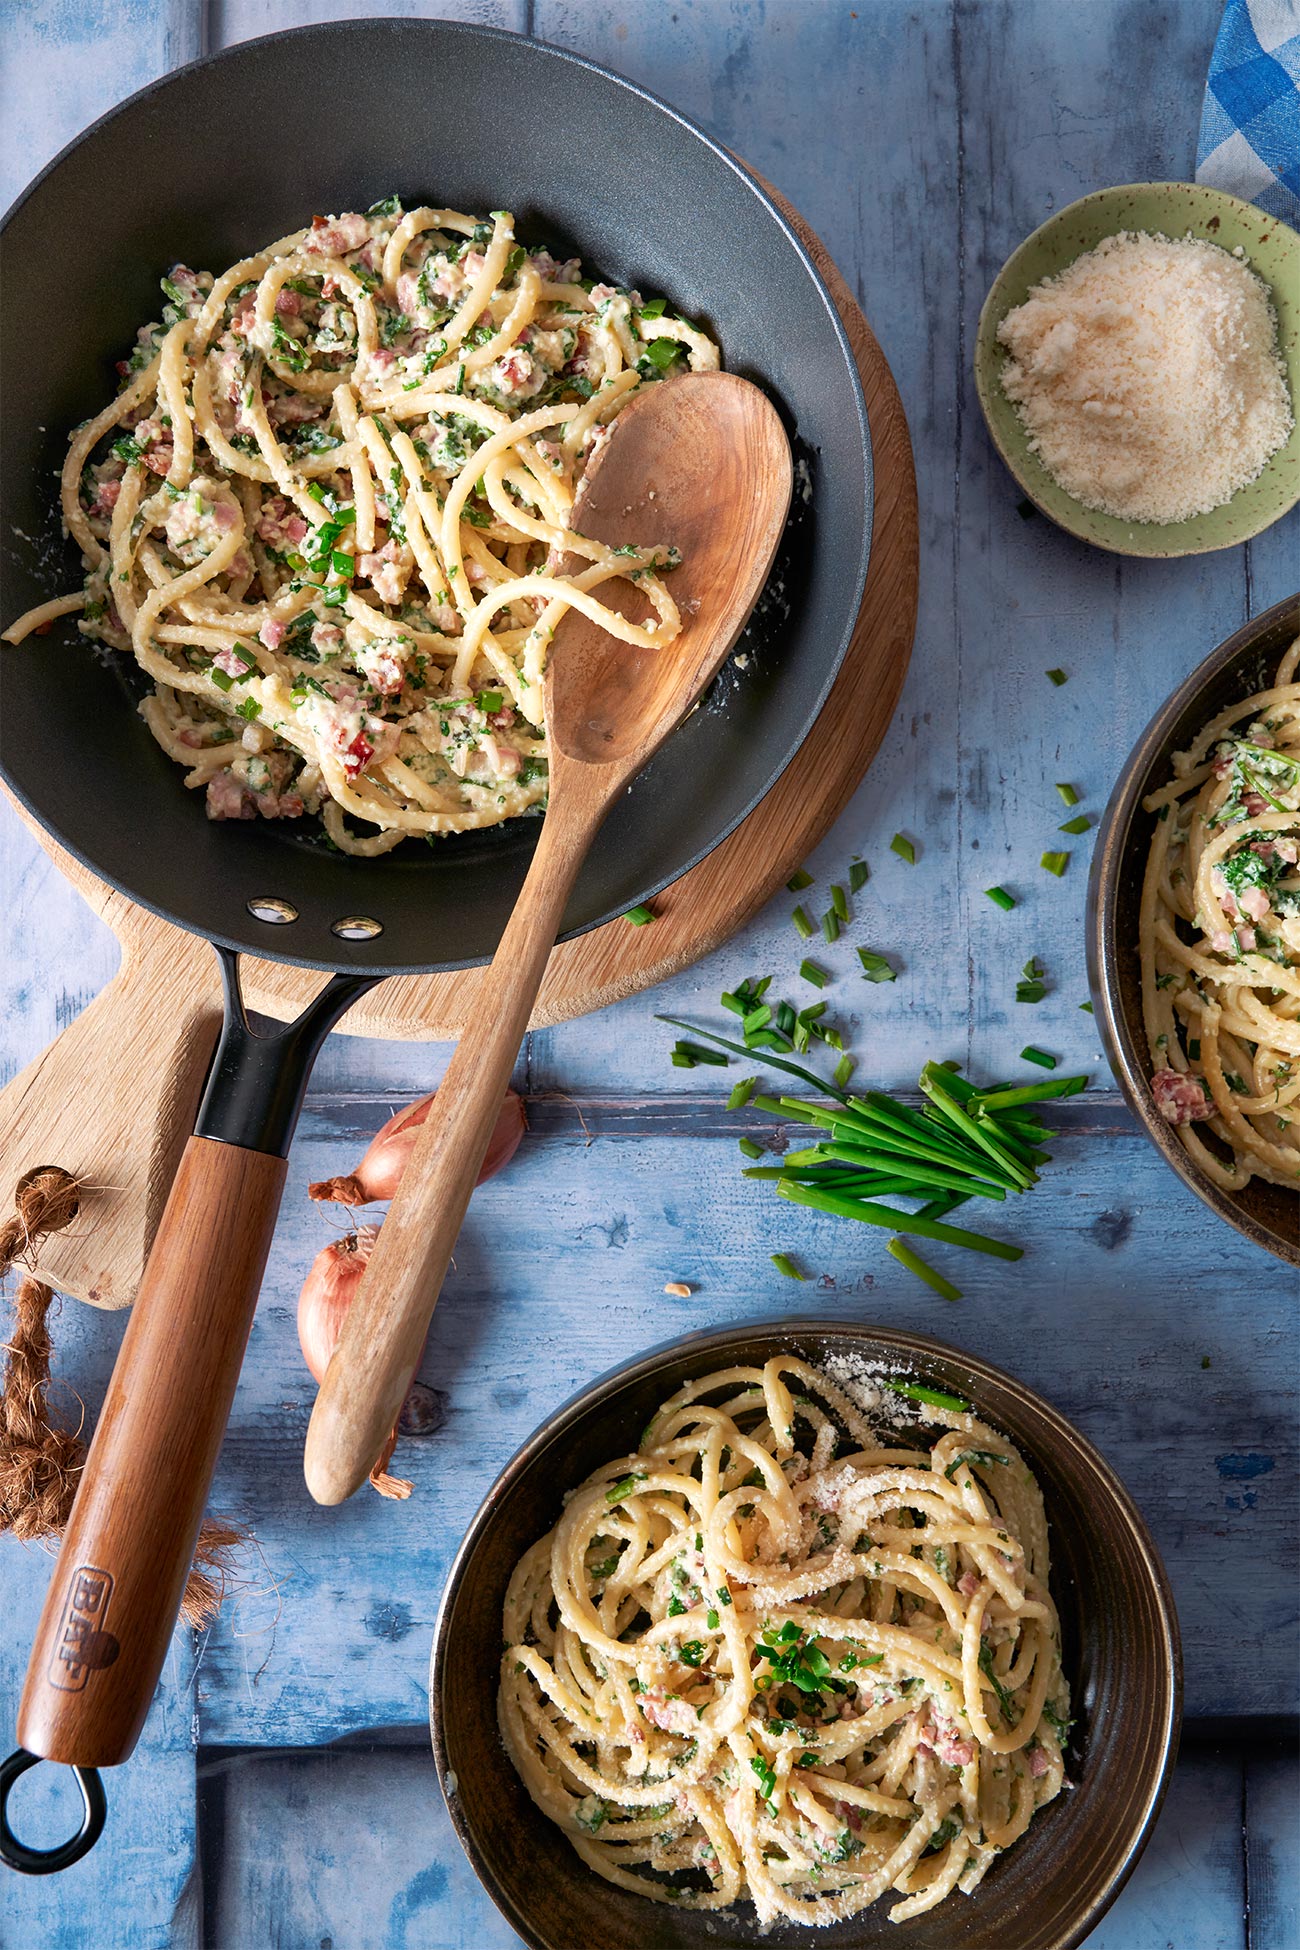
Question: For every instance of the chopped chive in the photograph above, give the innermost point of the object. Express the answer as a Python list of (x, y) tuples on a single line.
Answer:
[(246, 657), (742, 1093), (490, 701), (1068, 794), (859, 874), (892, 1221), (757, 1019), (1055, 863), (915, 1264), (831, 924), (1088, 1006), (784, 1264), (638, 916), (811, 973), (220, 678), (844, 1069), (840, 902), (916, 1392), (1001, 898), (785, 1018), (682, 1061), (875, 968), (803, 926), (316, 491), (734, 1003), (1079, 824), (903, 847), (1058, 677), (749, 1149), (1031, 1054), (798, 881), (717, 1058)]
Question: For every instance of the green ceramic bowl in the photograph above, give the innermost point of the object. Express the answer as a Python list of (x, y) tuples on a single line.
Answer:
[(1173, 209)]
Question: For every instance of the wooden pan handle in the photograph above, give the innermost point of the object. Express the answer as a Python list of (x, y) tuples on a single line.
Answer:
[(384, 1329), (130, 1540)]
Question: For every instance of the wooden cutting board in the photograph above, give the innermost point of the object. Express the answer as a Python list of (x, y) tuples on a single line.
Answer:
[(113, 1098)]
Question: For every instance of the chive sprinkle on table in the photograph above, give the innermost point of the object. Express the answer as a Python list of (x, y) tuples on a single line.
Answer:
[(283, 1791)]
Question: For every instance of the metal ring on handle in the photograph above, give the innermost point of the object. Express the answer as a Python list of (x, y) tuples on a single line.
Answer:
[(48, 1861)]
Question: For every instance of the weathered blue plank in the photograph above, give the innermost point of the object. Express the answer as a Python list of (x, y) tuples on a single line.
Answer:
[(1188, 1891), (1269, 1809)]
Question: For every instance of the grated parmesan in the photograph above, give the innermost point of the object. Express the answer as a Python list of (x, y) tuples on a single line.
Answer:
[(1147, 376)]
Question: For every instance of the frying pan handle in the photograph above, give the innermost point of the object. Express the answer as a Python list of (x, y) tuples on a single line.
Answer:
[(129, 1544), (384, 1330)]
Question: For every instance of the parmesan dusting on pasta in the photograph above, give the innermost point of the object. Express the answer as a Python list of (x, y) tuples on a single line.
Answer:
[(1147, 375), (781, 1652)]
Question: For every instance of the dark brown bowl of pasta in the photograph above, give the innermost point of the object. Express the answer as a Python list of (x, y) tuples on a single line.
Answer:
[(957, 1698), (1194, 931)]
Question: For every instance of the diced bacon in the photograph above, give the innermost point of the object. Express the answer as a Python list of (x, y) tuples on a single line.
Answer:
[(272, 633), (279, 524), (408, 293), (106, 497), (475, 572), (1255, 804), (234, 666), (226, 514), (381, 661), (326, 638), (968, 1583), (951, 1745), (667, 1712), (240, 568), (1181, 1099), (333, 236), (1246, 940), (1287, 852), (1038, 1762), (329, 287), (601, 292), (552, 272), (228, 798), (159, 458), (387, 570), (1255, 902), (288, 303), (383, 358), (241, 320), (850, 1814)]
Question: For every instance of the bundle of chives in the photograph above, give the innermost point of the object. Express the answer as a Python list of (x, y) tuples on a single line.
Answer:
[(964, 1143)]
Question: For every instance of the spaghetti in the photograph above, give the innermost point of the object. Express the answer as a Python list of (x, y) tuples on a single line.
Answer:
[(329, 514), (1219, 939), (776, 1653)]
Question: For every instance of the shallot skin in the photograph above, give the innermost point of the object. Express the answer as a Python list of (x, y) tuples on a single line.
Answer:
[(378, 1175), (327, 1292)]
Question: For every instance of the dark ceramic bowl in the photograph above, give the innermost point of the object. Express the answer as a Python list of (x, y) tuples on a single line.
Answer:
[(1120, 1644), (433, 110), (1267, 1214)]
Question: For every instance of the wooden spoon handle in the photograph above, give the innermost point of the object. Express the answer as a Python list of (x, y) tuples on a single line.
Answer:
[(130, 1540), (384, 1330)]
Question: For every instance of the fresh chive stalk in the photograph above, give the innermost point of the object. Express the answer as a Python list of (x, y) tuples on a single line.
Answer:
[(923, 1271), (1001, 898), (749, 1149), (811, 973), (803, 926), (883, 1215), (1068, 794), (784, 1264), (639, 916), (916, 1391)]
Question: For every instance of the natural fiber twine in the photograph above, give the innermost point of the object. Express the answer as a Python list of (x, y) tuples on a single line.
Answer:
[(40, 1462)]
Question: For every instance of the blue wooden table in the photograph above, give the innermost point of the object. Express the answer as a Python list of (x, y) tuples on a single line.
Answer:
[(283, 1792)]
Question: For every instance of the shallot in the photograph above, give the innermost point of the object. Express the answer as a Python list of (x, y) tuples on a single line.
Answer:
[(379, 1173), (327, 1292)]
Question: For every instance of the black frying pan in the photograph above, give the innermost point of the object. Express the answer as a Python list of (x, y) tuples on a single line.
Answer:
[(203, 167)]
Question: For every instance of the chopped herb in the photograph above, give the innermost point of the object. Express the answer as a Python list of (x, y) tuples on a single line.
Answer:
[(675, 1606), (766, 1776), (916, 1391), (1088, 1008), (1031, 988), (248, 709), (662, 352), (749, 1149), (742, 1093), (1058, 677), (699, 1054), (811, 973), (985, 1456), (220, 678), (1031, 1054), (1079, 824), (798, 881), (655, 308), (712, 1620), (1068, 794), (692, 1653), (626, 1485), (840, 902), (1001, 898), (923, 1270), (1055, 863), (638, 916), (128, 450), (859, 874), (903, 847), (803, 926), (784, 1264), (844, 1069), (875, 968), (831, 924)]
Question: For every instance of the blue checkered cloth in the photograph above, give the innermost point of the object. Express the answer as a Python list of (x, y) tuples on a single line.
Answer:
[(1250, 125)]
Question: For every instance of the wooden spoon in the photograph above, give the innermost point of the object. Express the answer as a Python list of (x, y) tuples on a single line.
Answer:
[(701, 462)]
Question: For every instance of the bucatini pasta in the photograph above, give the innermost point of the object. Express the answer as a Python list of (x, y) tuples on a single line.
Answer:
[(329, 509), (780, 1653), (1220, 939)]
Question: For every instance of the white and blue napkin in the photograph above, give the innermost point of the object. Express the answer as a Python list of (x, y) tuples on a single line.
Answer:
[(1250, 124)]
